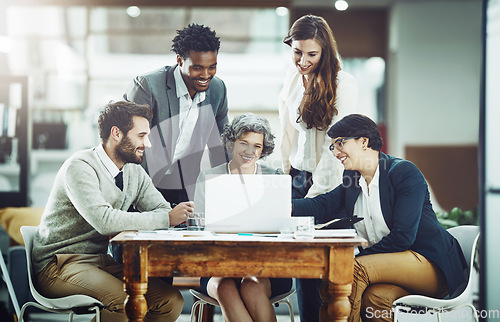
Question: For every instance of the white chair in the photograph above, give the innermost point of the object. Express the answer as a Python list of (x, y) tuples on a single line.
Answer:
[(203, 300), (467, 237), (79, 304)]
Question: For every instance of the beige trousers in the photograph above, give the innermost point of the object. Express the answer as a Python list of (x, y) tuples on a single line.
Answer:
[(380, 279), (101, 277)]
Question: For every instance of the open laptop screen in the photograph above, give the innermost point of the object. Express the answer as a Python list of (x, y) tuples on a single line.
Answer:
[(247, 203)]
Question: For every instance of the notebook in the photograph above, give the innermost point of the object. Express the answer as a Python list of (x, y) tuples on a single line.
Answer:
[(247, 203)]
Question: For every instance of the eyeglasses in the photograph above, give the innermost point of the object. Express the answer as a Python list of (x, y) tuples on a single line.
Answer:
[(339, 144)]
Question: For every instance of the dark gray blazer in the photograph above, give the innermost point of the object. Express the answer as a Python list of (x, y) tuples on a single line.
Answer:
[(158, 89)]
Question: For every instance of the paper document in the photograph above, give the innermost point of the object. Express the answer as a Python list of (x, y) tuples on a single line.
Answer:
[(325, 233)]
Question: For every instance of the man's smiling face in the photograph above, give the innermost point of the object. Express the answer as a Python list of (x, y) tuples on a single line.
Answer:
[(198, 70)]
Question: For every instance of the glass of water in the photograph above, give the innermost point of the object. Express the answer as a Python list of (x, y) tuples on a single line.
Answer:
[(303, 228), (196, 221)]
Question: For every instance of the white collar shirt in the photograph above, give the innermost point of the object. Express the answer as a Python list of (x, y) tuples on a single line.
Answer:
[(189, 111), (373, 227), (106, 161)]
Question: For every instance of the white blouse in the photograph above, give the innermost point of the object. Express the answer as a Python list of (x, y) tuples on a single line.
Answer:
[(373, 227), (307, 149), (299, 149)]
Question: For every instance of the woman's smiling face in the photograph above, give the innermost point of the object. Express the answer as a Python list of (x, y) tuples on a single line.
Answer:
[(350, 153), (247, 150), (306, 55)]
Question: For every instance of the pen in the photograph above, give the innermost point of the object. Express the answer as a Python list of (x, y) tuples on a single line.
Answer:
[(259, 235)]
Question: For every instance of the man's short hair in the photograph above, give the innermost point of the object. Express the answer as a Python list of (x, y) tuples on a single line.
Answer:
[(195, 37), (121, 114), (358, 126)]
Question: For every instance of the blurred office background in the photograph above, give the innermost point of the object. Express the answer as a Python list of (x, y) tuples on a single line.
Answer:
[(418, 65)]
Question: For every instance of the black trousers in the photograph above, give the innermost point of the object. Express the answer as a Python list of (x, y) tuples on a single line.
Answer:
[(307, 289)]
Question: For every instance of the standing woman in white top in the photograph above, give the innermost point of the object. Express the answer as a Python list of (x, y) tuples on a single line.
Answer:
[(316, 93)]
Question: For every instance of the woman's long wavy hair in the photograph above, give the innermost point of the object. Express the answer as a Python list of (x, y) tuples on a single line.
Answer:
[(318, 104)]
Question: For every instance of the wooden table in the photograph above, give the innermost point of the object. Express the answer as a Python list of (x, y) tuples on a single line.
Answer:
[(330, 259)]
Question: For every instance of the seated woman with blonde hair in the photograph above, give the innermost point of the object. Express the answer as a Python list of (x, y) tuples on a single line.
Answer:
[(248, 137)]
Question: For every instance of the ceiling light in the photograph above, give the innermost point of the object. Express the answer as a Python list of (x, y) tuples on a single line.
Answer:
[(134, 11), (341, 5), (282, 11)]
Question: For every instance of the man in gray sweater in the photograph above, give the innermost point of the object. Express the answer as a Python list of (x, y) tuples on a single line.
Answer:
[(89, 203)]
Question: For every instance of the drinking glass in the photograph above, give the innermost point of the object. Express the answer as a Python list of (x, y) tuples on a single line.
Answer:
[(196, 221), (303, 228)]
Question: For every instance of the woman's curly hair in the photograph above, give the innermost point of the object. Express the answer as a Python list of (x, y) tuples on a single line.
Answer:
[(245, 123), (195, 37)]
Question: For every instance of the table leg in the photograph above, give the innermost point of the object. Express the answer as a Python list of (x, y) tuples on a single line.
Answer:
[(336, 289), (336, 306), (135, 259)]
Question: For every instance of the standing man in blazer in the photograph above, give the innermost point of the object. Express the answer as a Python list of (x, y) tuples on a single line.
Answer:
[(190, 110)]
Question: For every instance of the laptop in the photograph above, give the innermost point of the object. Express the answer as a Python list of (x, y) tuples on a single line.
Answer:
[(258, 203)]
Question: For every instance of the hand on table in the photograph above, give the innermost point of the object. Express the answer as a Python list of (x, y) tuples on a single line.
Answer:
[(181, 212)]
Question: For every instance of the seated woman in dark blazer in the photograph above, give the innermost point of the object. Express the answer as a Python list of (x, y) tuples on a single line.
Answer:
[(408, 251)]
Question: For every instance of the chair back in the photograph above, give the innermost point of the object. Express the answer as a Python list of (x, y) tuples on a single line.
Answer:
[(410, 305), (467, 236), (28, 233)]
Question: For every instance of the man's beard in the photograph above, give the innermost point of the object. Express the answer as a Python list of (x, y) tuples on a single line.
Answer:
[(127, 152)]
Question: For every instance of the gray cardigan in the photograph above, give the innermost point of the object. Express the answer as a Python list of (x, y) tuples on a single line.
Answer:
[(85, 207), (199, 196)]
